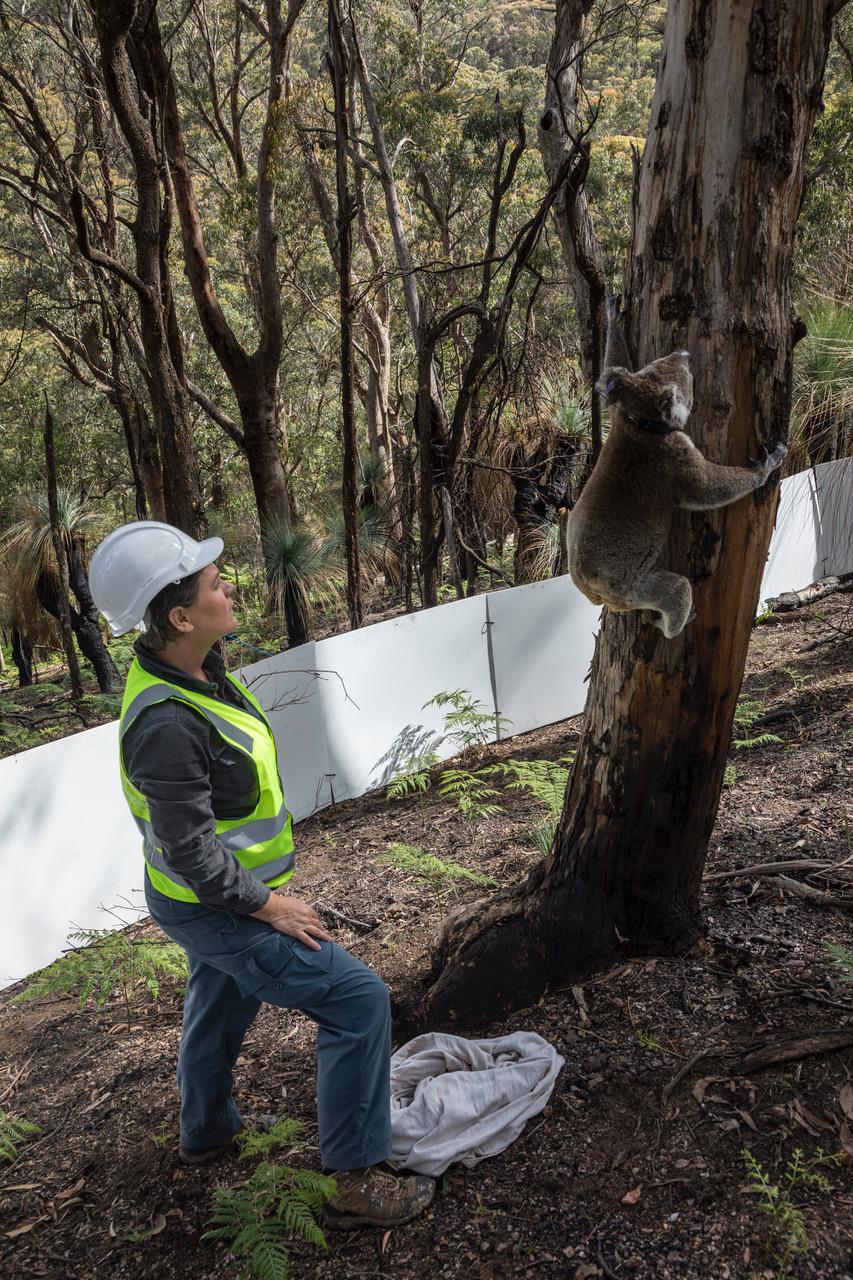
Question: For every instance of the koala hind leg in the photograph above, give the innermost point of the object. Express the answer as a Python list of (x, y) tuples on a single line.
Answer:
[(669, 595)]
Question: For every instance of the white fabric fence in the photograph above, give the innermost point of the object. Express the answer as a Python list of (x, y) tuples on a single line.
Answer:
[(347, 712)]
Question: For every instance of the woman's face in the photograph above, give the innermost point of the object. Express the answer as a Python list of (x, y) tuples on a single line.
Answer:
[(212, 613)]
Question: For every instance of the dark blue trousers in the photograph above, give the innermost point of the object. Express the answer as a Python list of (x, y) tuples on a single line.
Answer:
[(236, 963)]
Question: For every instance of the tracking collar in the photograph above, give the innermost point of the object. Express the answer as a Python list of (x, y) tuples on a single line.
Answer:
[(654, 425)]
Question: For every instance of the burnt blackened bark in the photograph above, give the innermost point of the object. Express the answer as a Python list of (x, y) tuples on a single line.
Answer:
[(22, 656)]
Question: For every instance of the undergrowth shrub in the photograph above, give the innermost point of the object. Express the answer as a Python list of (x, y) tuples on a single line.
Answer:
[(108, 961)]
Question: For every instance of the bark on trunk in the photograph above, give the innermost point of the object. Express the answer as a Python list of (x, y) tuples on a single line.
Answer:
[(56, 533), (85, 623), (339, 71), (138, 118), (559, 128), (710, 270), (254, 376), (22, 656)]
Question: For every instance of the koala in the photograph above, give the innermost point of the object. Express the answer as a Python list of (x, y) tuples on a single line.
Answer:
[(647, 468)]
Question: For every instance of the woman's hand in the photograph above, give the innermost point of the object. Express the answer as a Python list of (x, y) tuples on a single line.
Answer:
[(293, 917)]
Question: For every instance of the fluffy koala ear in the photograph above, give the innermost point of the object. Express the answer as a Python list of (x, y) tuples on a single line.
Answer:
[(609, 383)]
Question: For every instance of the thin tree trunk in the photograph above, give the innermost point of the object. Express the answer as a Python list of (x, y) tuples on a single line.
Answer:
[(85, 623), (22, 656), (340, 74), (710, 270), (182, 488), (559, 128), (64, 618)]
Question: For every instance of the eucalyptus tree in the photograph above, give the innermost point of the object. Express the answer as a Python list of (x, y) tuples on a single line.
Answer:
[(710, 269)]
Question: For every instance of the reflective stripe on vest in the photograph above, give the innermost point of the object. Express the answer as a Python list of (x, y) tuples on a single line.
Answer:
[(262, 842)]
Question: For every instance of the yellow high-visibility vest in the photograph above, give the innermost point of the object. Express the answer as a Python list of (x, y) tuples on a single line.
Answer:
[(262, 842)]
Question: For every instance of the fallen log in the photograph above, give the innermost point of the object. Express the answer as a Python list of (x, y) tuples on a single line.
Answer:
[(793, 1050)]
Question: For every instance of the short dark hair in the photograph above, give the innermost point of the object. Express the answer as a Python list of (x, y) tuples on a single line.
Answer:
[(158, 629)]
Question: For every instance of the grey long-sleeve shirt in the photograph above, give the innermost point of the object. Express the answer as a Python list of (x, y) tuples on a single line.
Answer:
[(190, 778)]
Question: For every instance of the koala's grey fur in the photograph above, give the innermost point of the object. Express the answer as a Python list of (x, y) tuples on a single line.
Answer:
[(647, 468)]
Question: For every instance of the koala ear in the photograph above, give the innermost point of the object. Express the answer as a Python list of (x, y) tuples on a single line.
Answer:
[(609, 383)]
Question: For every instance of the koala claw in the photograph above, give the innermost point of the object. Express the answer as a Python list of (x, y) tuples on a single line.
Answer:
[(777, 456)]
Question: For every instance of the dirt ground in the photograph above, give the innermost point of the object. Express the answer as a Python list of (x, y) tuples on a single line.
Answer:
[(636, 1167)]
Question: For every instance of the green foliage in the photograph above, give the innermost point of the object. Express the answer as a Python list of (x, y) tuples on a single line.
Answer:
[(788, 1235), (760, 740), (466, 724), (823, 383), (300, 564), (796, 677), (256, 1218), (14, 1132), (546, 781), (470, 792), (108, 960), (258, 1142), (413, 778), (747, 712), (412, 859), (729, 777), (842, 958)]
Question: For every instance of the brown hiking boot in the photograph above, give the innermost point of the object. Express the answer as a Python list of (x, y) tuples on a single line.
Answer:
[(373, 1198)]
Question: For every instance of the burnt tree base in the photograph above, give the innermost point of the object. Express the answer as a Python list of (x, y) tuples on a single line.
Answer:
[(501, 954)]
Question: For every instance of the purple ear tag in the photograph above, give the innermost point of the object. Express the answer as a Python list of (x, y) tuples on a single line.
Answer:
[(609, 387)]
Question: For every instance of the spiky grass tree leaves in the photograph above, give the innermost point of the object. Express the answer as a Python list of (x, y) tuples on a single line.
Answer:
[(300, 566), (276, 1202), (14, 1132)]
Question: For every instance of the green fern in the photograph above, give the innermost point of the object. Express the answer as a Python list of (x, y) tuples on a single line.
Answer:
[(466, 723), (545, 780), (259, 1142), (747, 711), (256, 1218), (471, 794), (761, 740), (411, 858), (788, 1234), (729, 776), (842, 958), (413, 778), (107, 961), (14, 1132)]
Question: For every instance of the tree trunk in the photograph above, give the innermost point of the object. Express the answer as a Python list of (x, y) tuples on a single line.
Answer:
[(22, 656), (85, 623), (339, 70), (63, 614), (710, 270), (559, 128), (138, 119)]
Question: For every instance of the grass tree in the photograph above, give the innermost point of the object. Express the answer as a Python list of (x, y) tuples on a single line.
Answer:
[(33, 581), (822, 412)]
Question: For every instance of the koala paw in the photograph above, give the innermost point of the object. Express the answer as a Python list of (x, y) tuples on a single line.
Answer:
[(613, 307), (766, 462), (777, 456)]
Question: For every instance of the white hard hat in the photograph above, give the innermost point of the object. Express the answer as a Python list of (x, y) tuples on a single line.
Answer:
[(136, 561)]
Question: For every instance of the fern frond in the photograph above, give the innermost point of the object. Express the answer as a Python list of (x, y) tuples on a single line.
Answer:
[(298, 1219), (762, 740), (256, 1142), (14, 1132), (411, 858)]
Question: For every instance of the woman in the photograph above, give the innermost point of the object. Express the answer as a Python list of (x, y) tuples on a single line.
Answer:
[(200, 774)]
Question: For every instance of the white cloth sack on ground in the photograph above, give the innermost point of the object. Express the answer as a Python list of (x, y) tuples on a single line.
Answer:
[(454, 1099)]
